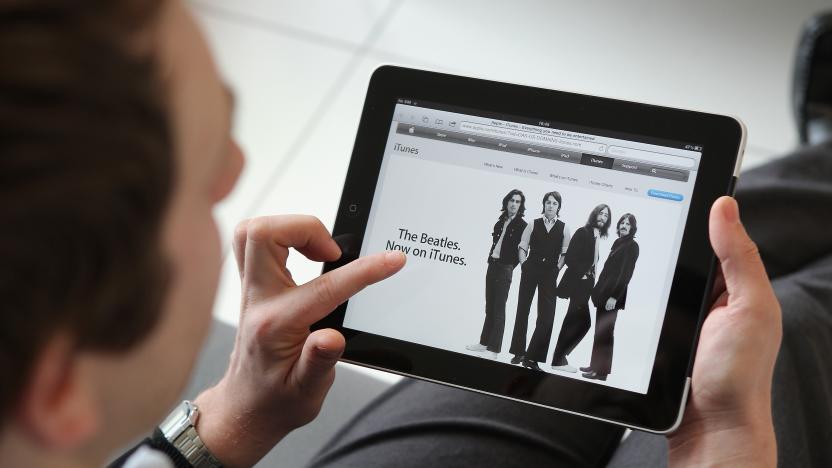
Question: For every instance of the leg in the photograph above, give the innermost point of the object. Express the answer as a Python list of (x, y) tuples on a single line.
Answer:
[(490, 288), (802, 389), (786, 205), (528, 283), (576, 323), (802, 386), (539, 344), (569, 324), (602, 347), (419, 424), (798, 256), (498, 324)]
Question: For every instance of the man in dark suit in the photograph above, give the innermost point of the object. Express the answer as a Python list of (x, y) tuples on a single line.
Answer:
[(577, 283), (610, 295), (502, 258), (541, 250)]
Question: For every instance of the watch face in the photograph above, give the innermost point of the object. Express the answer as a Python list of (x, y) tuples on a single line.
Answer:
[(178, 420), (192, 411)]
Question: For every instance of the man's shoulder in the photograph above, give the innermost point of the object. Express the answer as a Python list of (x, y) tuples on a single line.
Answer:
[(627, 247)]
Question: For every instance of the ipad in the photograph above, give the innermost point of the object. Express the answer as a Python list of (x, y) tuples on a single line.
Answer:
[(557, 244)]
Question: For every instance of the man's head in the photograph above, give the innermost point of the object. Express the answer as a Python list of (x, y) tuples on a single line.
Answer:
[(599, 219), (115, 148), (626, 226), (551, 204), (514, 203)]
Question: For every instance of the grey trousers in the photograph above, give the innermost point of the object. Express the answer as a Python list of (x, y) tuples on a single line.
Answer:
[(787, 208)]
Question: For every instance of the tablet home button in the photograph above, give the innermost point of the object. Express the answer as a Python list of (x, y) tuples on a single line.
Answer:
[(352, 210)]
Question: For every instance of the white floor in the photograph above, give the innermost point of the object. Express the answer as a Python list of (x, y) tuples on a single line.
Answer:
[(300, 70)]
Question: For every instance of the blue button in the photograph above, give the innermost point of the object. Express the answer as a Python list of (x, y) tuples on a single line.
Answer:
[(665, 195)]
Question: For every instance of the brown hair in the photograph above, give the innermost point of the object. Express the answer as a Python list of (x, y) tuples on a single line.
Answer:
[(86, 169), (593, 218)]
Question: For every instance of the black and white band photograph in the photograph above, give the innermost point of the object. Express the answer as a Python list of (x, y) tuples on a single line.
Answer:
[(542, 251), (552, 277)]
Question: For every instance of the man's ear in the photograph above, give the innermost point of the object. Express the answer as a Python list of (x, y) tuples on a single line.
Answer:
[(57, 407)]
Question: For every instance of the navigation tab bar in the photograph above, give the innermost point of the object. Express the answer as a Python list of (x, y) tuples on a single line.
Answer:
[(554, 154), (566, 156), (637, 167), (596, 161), (681, 176)]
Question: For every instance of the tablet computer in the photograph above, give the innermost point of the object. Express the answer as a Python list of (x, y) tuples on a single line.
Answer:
[(557, 243)]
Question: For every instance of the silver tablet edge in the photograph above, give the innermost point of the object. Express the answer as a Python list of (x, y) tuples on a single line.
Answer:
[(681, 415), (672, 428), (741, 149)]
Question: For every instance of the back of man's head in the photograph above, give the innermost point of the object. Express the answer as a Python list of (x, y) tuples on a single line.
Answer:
[(85, 175)]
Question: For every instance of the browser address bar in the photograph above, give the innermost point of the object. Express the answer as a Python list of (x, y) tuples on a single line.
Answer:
[(530, 137)]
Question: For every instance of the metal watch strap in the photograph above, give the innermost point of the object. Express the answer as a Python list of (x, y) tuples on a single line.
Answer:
[(191, 447), (179, 429)]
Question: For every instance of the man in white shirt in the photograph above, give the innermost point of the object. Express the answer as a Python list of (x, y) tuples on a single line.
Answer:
[(577, 283), (542, 247)]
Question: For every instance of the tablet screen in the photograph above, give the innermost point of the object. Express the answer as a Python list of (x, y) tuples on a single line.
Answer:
[(528, 238)]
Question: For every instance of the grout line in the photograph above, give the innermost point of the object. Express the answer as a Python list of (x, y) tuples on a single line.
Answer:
[(384, 56), (273, 26), (360, 51), (328, 97)]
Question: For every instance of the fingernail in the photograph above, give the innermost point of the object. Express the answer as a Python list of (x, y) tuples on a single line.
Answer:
[(328, 354), (731, 213)]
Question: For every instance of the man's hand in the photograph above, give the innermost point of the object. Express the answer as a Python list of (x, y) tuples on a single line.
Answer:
[(728, 419), (522, 255), (279, 372)]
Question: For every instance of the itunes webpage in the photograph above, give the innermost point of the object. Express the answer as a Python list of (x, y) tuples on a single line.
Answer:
[(528, 242)]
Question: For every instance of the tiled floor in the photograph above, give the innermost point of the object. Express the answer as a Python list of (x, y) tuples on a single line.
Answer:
[(300, 71)]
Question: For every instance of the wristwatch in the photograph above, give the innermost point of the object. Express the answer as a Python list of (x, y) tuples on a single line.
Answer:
[(179, 428)]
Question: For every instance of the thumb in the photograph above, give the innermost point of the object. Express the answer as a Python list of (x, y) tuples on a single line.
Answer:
[(743, 270), (314, 371)]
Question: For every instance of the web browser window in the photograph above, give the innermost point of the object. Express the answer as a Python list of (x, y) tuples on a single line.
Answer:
[(527, 240)]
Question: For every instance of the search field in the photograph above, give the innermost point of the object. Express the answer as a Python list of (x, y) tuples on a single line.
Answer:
[(650, 156), (529, 137)]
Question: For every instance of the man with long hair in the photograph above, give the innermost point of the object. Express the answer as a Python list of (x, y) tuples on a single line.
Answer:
[(577, 283), (502, 259), (610, 295)]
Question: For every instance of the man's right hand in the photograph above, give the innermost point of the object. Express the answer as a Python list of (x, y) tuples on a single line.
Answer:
[(728, 418), (280, 371)]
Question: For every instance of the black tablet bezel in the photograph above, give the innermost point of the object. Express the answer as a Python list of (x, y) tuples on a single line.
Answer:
[(659, 409)]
